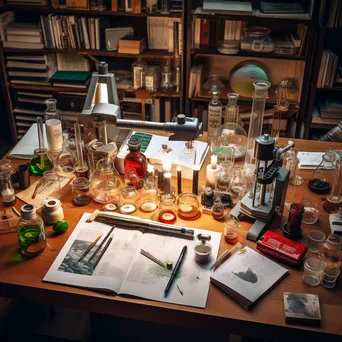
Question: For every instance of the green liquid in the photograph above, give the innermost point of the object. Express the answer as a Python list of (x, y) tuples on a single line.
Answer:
[(36, 166), (32, 240)]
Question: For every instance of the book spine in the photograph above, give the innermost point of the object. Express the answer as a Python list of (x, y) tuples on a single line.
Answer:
[(136, 6), (205, 30), (114, 6)]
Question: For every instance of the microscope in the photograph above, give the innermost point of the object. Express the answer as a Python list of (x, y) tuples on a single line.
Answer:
[(101, 111), (269, 190)]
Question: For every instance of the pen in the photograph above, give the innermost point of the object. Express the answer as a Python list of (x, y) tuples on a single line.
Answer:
[(103, 250), (175, 270), (227, 253), (89, 248), (101, 244)]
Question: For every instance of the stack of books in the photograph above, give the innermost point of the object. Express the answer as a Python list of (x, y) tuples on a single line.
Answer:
[(328, 69), (23, 36), (132, 44), (335, 13), (72, 79), (31, 69), (36, 3), (331, 108)]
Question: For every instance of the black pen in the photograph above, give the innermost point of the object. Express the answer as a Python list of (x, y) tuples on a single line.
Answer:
[(103, 250), (175, 270)]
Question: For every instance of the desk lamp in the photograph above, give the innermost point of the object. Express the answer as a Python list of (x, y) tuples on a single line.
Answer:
[(101, 108), (269, 188)]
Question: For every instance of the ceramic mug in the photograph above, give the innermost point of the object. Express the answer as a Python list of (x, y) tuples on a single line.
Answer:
[(202, 252)]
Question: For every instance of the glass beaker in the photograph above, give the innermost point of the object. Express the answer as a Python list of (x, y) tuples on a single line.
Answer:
[(310, 215), (313, 269), (149, 195), (231, 228), (52, 182), (231, 113), (167, 212), (260, 95), (188, 206), (329, 251), (40, 161), (80, 191), (105, 182), (129, 197), (322, 177)]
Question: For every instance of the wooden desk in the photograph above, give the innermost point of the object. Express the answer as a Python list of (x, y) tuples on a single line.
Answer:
[(23, 279)]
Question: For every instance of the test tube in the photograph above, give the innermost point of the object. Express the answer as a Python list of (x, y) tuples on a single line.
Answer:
[(81, 169), (41, 141), (336, 189)]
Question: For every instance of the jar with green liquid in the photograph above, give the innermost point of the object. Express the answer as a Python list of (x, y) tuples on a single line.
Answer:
[(31, 231)]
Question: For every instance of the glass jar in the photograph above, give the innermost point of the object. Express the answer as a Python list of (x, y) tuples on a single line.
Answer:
[(238, 186), (231, 228), (166, 79), (208, 197), (105, 182), (80, 191), (313, 269), (225, 177), (330, 250), (52, 182), (231, 114), (257, 39), (213, 82), (31, 231), (129, 198), (135, 163), (217, 209), (149, 195), (322, 177), (152, 78), (188, 206), (139, 68), (6, 188), (167, 209)]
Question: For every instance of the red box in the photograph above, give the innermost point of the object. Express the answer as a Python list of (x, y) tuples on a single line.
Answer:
[(282, 248)]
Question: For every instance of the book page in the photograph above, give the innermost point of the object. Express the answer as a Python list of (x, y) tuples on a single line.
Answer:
[(249, 273), (109, 272), (146, 279)]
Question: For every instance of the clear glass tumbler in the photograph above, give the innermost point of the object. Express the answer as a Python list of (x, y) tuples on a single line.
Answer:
[(329, 276), (315, 238), (313, 269), (80, 191)]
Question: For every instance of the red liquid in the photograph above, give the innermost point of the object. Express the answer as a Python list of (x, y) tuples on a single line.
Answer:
[(135, 162), (231, 237), (167, 216)]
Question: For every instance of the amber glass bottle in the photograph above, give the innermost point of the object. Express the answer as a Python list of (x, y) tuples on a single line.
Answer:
[(135, 163)]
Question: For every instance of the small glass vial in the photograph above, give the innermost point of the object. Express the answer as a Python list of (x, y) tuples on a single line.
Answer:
[(217, 210), (31, 231), (7, 190), (166, 79), (152, 78), (80, 191), (208, 197), (135, 163), (139, 68), (167, 205), (128, 201), (232, 109), (214, 114)]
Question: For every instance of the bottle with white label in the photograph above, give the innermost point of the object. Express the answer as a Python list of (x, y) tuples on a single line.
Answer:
[(7, 191), (214, 114), (53, 126), (139, 68), (152, 78)]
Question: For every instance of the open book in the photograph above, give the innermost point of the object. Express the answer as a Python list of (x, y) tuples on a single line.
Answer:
[(247, 276), (123, 270)]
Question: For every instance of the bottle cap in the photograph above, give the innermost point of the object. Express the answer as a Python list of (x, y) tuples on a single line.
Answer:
[(134, 144), (27, 211), (169, 265)]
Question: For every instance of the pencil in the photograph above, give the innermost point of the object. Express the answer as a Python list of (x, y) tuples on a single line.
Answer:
[(151, 257), (103, 250), (101, 244), (89, 248)]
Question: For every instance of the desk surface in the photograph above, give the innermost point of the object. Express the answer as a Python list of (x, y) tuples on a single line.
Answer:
[(23, 279)]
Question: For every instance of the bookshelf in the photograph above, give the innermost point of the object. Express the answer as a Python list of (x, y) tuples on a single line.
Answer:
[(328, 34), (295, 67), (172, 100)]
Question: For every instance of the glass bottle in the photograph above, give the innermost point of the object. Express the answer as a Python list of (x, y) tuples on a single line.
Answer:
[(166, 79), (225, 177), (330, 250), (238, 185), (232, 109), (105, 182), (66, 161), (322, 177), (152, 78), (149, 195), (214, 114), (40, 161), (208, 197), (256, 121), (213, 81), (135, 163), (80, 191), (31, 231), (7, 191), (139, 68), (217, 210)]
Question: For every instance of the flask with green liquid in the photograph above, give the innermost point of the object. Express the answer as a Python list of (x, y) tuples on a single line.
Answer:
[(40, 161), (31, 231)]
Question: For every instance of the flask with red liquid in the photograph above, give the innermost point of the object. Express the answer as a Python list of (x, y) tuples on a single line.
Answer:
[(135, 163)]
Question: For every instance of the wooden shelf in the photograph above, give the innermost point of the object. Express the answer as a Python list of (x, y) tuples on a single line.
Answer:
[(67, 11), (148, 54), (336, 88), (211, 52), (78, 90)]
